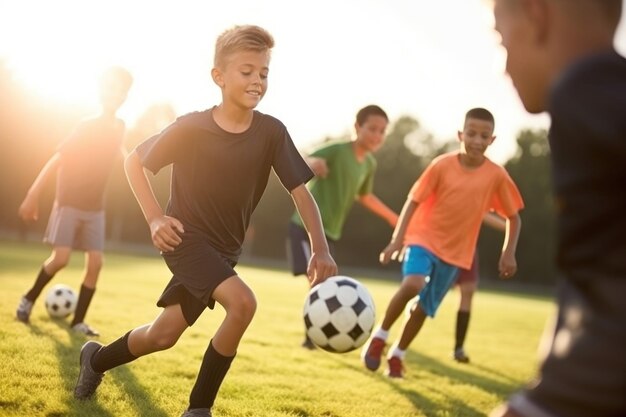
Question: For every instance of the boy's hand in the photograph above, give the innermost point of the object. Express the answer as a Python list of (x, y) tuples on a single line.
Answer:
[(394, 250), (165, 232), (318, 166), (321, 266), (507, 265), (29, 209)]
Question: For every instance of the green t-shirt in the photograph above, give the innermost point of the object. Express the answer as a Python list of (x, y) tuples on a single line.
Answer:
[(347, 179)]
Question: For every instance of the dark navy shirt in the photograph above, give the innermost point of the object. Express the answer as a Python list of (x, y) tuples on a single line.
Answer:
[(219, 177), (588, 148)]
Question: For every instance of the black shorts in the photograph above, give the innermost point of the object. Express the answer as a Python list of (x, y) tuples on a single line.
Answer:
[(299, 248), (584, 373), (197, 268)]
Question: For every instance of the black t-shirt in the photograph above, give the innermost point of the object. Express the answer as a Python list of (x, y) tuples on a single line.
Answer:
[(218, 177), (87, 159), (588, 148)]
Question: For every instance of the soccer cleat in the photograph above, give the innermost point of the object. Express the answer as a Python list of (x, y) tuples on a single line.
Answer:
[(308, 344), (85, 329), (197, 412), (24, 309), (88, 379), (372, 353), (396, 368), (460, 356)]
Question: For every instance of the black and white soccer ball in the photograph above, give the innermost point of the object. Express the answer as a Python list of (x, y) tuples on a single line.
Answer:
[(61, 301), (339, 314)]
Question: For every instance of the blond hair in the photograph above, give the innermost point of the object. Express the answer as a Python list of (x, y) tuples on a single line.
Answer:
[(241, 38)]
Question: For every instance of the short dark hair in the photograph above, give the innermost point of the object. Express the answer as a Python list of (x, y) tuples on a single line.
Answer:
[(367, 111), (480, 114)]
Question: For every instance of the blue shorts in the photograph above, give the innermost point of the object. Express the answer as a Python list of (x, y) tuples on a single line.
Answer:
[(442, 275)]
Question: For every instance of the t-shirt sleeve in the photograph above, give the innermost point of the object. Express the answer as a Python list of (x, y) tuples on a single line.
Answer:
[(325, 152), (161, 149), (291, 169), (507, 200), (425, 184)]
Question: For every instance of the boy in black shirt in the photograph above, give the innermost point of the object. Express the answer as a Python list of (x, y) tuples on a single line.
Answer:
[(562, 60), (221, 159)]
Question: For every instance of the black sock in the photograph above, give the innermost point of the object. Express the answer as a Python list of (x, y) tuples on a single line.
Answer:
[(42, 280), (212, 372), (84, 299), (462, 323), (112, 355)]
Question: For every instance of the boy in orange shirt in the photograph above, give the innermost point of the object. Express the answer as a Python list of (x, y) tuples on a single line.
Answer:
[(439, 227)]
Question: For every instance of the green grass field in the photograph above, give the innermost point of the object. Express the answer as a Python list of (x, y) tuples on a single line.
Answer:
[(272, 375)]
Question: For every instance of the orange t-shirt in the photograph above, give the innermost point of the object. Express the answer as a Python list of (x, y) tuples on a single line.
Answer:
[(452, 203)]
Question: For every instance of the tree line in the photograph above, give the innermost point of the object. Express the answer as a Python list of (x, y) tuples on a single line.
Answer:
[(31, 129)]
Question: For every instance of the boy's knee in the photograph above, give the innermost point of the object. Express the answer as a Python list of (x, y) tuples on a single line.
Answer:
[(163, 341), (412, 285), (246, 307)]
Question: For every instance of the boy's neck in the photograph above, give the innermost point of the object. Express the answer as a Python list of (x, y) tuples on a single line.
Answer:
[(359, 151), (470, 163), (231, 119), (108, 115)]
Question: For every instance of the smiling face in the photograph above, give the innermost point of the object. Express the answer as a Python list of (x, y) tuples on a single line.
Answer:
[(475, 138), (243, 78), (370, 135)]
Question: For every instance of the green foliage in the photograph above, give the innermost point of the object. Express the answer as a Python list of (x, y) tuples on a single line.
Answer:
[(271, 376), (30, 131), (530, 169)]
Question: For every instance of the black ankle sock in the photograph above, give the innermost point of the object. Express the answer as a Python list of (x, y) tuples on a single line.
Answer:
[(43, 278), (212, 372), (462, 323), (112, 355), (84, 299)]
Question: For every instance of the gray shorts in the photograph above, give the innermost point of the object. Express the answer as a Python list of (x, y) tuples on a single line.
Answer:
[(74, 228), (584, 372)]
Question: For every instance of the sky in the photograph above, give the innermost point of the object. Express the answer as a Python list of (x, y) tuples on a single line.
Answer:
[(431, 60)]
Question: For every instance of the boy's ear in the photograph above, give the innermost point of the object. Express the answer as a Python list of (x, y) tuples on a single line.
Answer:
[(492, 139), (218, 79), (538, 14), (459, 135)]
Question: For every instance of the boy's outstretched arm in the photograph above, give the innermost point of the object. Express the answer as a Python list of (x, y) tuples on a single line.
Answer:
[(394, 248), (318, 166), (29, 209), (508, 265), (164, 230), (376, 206), (495, 221), (321, 264)]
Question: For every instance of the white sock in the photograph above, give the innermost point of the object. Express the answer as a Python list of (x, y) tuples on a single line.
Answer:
[(381, 334), (397, 352)]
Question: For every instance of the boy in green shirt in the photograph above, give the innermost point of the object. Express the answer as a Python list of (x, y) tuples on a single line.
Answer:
[(344, 172)]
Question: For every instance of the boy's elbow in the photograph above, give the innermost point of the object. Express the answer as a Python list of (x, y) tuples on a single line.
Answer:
[(131, 161)]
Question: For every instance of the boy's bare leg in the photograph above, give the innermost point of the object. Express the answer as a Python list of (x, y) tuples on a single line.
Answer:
[(410, 287), (161, 334)]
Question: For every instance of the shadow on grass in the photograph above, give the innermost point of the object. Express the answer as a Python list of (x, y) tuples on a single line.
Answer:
[(501, 385), (68, 360)]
